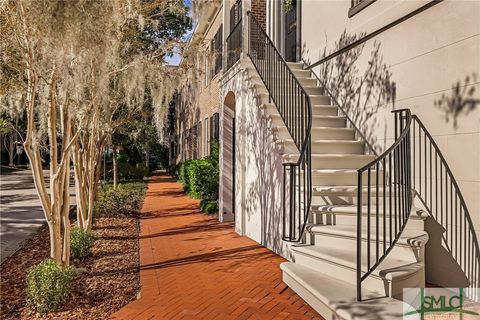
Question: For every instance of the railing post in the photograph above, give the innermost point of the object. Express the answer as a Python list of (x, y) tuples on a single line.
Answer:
[(359, 237)]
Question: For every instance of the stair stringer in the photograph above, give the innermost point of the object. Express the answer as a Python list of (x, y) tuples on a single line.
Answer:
[(262, 157)]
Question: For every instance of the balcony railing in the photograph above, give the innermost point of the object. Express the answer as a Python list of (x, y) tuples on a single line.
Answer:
[(234, 44)]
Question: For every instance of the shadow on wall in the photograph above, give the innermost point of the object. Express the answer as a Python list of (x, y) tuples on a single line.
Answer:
[(461, 101), (361, 93), (264, 191)]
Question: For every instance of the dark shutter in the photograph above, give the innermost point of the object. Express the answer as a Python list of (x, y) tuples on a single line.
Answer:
[(216, 44)]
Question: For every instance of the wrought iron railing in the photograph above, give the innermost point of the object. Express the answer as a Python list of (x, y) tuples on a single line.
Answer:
[(387, 177), (234, 44), (294, 106), (438, 191)]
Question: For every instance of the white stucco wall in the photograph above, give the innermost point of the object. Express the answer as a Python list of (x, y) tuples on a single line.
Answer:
[(259, 171), (424, 58)]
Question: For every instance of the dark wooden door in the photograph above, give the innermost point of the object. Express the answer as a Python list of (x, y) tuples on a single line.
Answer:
[(291, 34)]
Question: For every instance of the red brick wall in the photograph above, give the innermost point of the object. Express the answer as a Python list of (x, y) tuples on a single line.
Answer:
[(259, 10)]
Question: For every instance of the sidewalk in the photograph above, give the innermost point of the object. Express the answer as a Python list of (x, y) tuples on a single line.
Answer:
[(193, 267)]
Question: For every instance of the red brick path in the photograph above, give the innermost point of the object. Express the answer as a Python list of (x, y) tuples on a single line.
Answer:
[(193, 267)]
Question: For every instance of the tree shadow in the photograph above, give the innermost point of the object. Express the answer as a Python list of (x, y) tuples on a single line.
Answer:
[(362, 94), (461, 101), (243, 253), (265, 190)]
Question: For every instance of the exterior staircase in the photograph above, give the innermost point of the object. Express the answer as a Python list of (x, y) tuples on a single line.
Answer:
[(323, 267), (357, 238)]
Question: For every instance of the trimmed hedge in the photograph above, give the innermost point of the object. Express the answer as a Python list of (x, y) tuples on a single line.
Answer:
[(200, 179), (126, 199)]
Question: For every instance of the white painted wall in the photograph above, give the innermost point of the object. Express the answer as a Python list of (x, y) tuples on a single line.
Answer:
[(259, 171)]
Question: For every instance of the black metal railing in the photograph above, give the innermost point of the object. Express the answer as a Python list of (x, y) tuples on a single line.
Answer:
[(234, 44), (387, 182), (294, 106), (438, 191)]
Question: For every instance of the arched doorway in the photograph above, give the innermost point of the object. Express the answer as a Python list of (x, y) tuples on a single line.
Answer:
[(228, 156)]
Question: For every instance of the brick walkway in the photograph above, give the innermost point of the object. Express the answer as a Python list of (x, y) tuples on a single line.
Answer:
[(193, 267)]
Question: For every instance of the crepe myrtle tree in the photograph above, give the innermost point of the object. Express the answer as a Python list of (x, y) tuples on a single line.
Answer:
[(80, 69)]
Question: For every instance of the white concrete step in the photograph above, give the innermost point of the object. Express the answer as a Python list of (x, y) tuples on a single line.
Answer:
[(330, 177), (307, 81), (296, 65), (345, 195), (389, 278), (300, 73), (314, 90), (328, 146), (334, 161), (347, 214), (324, 110), (336, 299), (319, 133), (317, 121), (317, 110), (410, 247), (319, 99)]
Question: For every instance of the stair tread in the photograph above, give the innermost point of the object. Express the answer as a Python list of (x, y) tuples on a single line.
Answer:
[(340, 296), (388, 269), (335, 171), (318, 116), (333, 141), (352, 189), (335, 155), (352, 209), (409, 237)]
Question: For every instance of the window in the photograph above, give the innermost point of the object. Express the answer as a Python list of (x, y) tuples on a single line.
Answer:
[(359, 5), (215, 127), (216, 48)]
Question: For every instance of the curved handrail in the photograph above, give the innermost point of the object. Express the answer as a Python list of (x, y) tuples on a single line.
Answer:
[(399, 205), (294, 106), (468, 258)]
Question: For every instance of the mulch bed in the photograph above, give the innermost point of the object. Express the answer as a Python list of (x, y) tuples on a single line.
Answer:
[(111, 279)]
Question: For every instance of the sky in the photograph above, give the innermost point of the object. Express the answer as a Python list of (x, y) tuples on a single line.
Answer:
[(176, 58)]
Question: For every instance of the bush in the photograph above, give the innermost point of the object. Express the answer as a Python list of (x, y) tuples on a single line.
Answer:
[(209, 206), (48, 285), (126, 199), (203, 176), (128, 172), (81, 242), (200, 179)]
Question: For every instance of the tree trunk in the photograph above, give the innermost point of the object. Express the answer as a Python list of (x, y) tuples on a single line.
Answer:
[(11, 150), (147, 158), (115, 168)]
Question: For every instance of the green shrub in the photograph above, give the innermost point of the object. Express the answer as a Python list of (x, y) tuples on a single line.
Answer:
[(48, 285), (203, 177), (126, 199), (128, 172), (209, 206), (200, 179), (182, 173), (81, 242)]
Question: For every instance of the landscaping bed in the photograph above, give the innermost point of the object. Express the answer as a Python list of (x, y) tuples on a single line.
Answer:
[(108, 281)]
